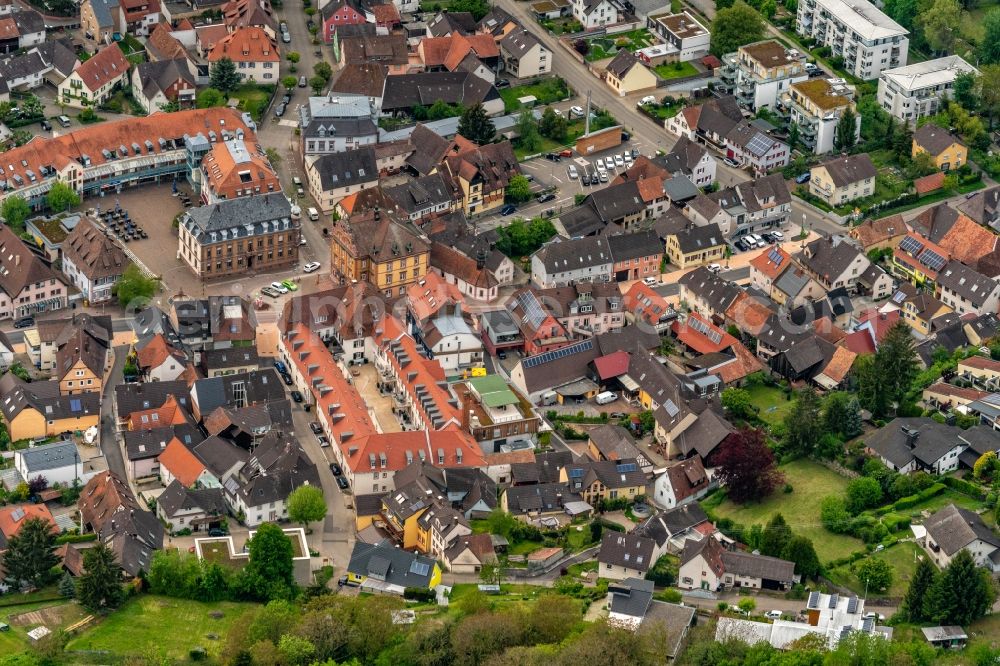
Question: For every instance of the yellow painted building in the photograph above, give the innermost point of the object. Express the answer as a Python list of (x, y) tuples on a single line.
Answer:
[(390, 569), (79, 379), (948, 152), (39, 410), (626, 74), (371, 248), (695, 246), (401, 519)]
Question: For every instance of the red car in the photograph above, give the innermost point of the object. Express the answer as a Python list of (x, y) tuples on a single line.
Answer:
[(566, 153)]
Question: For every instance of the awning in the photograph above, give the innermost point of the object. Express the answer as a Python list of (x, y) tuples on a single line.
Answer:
[(629, 383), (579, 387)]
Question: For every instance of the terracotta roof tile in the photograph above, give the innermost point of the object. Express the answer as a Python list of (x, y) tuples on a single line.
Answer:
[(650, 189), (9, 526), (930, 183), (429, 295), (840, 364), (181, 463), (766, 264), (968, 242), (873, 232), (249, 44), (691, 335), (105, 66), (645, 303)]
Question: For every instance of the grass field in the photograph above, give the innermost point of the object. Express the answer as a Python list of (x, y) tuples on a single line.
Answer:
[(545, 91), (771, 403), (902, 559), (253, 98), (675, 70), (175, 626), (811, 482), (608, 46)]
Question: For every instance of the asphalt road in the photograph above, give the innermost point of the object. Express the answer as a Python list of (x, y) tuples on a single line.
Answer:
[(110, 446)]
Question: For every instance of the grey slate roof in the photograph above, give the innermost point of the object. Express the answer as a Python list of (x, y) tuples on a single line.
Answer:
[(176, 497), (581, 221), (935, 140), (570, 255), (259, 386), (626, 550), (633, 246), (828, 257), (616, 202), (932, 440), (347, 169), (704, 435), (232, 357), (103, 12), (758, 566), (717, 292), (543, 498), (44, 397), (622, 63), (145, 444), (953, 529), (418, 194), (631, 596), (383, 561), (405, 91), (966, 282), (695, 238), (50, 456), (519, 42), (846, 170), (158, 76), (150, 395), (233, 215)]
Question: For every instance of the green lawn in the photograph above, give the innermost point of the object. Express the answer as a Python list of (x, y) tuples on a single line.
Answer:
[(902, 559), (545, 145), (55, 615), (576, 570), (609, 45), (173, 625), (811, 482), (546, 91), (771, 403), (253, 98), (675, 70)]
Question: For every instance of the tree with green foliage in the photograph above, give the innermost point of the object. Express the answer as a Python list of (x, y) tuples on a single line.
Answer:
[(833, 514), (306, 504), (20, 372), (317, 83), (887, 376), (271, 555), (289, 82), (863, 493), (476, 126), (793, 135), (224, 76), (737, 403), (842, 414), (903, 12), (985, 466), (923, 580), (67, 586), (746, 605), (134, 289), (273, 156), (961, 594), (875, 574), (30, 555), (295, 650), (15, 210), (293, 57), (965, 90), (989, 89), (323, 70), (478, 9), (210, 98), (734, 27), (552, 125), (521, 238), (62, 197), (800, 550), (989, 48), (803, 423), (519, 188), (775, 537), (99, 588), (528, 137), (845, 133), (940, 25)]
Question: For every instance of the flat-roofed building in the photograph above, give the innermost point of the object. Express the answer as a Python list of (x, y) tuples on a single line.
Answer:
[(860, 33), (816, 106), (761, 72), (921, 89), (688, 38)]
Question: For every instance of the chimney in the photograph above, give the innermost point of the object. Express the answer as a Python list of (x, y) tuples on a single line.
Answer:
[(911, 436)]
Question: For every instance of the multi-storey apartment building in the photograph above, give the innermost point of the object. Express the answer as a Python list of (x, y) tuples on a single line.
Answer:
[(816, 106), (759, 73), (236, 168), (337, 122), (372, 248), (239, 236), (867, 39), (914, 91)]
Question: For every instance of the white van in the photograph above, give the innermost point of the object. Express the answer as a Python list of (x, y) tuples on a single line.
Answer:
[(606, 397), (313, 214)]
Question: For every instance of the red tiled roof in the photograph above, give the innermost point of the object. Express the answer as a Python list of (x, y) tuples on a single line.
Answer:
[(645, 303), (612, 365), (942, 388), (872, 327), (248, 44), (9, 526), (981, 363), (749, 314), (763, 262), (8, 29), (103, 67), (696, 340), (935, 181), (181, 463), (171, 413), (967, 241), (743, 364), (840, 364), (430, 294), (156, 351), (401, 448), (385, 14)]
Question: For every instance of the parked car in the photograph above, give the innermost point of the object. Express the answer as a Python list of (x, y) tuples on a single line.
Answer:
[(573, 173), (279, 110), (553, 157), (803, 178), (290, 285), (286, 38), (46, 125), (565, 152), (626, 136), (731, 162), (585, 178), (603, 176), (316, 428), (619, 161), (648, 99), (335, 468), (302, 82), (714, 268), (296, 396), (635, 153), (575, 111), (341, 482), (280, 367), (549, 196), (216, 532), (741, 245), (63, 121), (268, 291), (280, 288), (323, 441), (650, 281), (778, 236), (286, 98), (502, 83), (24, 322), (508, 210), (283, 26), (287, 378), (773, 614), (311, 266), (599, 164)]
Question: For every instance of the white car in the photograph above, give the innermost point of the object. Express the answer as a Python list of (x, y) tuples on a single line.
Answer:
[(311, 266), (650, 281), (603, 176), (619, 161), (731, 162), (599, 164), (573, 173), (280, 288), (749, 241), (628, 159), (757, 239), (575, 111), (302, 241), (778, 236), (557, 112), (773, 614), (715, 268), (648, 99)]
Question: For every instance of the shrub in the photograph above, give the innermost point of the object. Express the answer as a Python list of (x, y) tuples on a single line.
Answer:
[(198, 654), (895, 522), (964, 487), (419, 594), (919, 498)]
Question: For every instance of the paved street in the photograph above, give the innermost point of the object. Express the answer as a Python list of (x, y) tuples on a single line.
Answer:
[(110, 446)]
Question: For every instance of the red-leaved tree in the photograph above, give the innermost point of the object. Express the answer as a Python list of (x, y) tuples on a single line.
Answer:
[(746, 466)]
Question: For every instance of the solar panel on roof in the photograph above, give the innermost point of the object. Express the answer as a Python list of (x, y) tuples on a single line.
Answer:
[(852, 605), (576, 472), (533, 312), (562, 352), (932, 260), (898, 297), (706, 330), (759, 145), (911, 245), (813, 600), (671, 408), (626, 467), (833, 600), (775, 257)]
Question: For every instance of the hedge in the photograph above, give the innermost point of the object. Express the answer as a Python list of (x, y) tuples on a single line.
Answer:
[(895, 522), (965, 487), (76, 538), (912, 500), (419, 594)]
